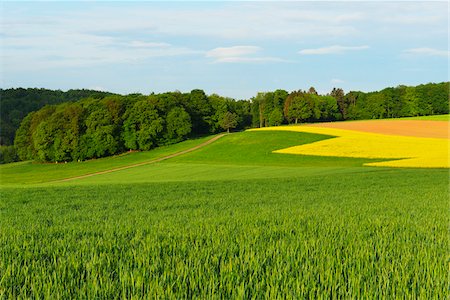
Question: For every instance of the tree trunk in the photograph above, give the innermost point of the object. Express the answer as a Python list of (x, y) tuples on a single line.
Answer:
[(296, 120), (260, 117), (228, 130)]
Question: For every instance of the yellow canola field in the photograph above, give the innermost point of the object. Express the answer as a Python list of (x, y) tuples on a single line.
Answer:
[(414, 152)]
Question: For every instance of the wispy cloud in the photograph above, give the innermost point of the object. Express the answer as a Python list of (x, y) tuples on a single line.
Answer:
[(71, 50), (98, 88), (142, 44), (235, 51), (336, 81), (239, 54), (134, 45), (336, 49), (427, 52)]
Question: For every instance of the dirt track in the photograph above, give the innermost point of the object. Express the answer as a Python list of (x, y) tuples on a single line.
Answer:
[(146, 162), (429, 129)]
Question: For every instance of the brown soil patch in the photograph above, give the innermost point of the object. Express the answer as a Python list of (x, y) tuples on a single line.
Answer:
[(417, 128)]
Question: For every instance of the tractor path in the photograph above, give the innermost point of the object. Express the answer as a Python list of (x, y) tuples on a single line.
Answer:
[(212, 140)]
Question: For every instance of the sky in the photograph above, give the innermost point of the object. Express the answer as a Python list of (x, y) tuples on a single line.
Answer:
[(234, 49)]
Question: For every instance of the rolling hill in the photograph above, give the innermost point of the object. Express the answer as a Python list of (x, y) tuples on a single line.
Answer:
[(231, 218)]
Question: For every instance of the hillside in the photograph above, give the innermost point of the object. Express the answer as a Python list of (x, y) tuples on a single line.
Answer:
[(231, 218), (106, 125), (239, 155)]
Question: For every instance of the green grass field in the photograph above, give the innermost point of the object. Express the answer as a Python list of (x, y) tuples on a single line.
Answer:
[(230, 220), (431, 118), (29, 172)]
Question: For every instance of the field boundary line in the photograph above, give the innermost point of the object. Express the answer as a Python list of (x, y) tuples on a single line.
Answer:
[(212, 140)]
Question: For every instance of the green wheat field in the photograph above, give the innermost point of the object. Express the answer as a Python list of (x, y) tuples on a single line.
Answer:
[(229, 220)]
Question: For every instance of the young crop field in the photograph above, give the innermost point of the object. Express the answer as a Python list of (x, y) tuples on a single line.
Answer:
[(430, 118), (233, 219)]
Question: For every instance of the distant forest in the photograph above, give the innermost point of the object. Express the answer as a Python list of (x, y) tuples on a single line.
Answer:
[(15, 104), (57, 126)]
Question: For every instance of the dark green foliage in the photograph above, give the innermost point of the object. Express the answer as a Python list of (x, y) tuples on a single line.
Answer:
[(143, 126), (17, 103), (93, 128), (401, 101), (57, 137), (339, 95), (101, 126), (99, 139), (23, 140), (300, 107), (8, 154), (310, 106), (242, 109), (256, 112), (220, 106), (265, 104), (178, 124), (327, 107), (199, 109), (275, 117), (43, 142)]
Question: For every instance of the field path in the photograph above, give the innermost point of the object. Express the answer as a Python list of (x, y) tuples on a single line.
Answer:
[(212, 140)]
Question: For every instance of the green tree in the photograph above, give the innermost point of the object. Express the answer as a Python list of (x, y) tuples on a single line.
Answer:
[(312, 91), (219, 106), (178, 124), (23, 140), (269, 105), (8, 154), (275, 117), (376, 105), (18, 102), (199, 109), (410, 103), (258, 108), (339, 95), (229, 120), (327, 108), (43, 139), (100, 138), (143, 126), (299, 107)]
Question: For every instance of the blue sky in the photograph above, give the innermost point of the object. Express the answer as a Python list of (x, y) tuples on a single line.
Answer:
[(235, 49)]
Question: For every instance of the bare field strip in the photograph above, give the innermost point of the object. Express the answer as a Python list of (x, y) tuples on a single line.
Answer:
[(406, 151), (416, 128)]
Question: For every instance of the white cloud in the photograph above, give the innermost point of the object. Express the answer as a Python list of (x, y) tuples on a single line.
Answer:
[(250, 60), (58, 36), (427, 52), (235, 51), (336, 49), (68, 49), (142, 44), (336, 81), (98, 88), (239, 54)]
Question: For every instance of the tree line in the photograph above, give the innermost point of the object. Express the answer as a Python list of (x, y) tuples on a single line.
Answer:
[(280, 107), (18, 102), (93, 128), (105, 124)]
